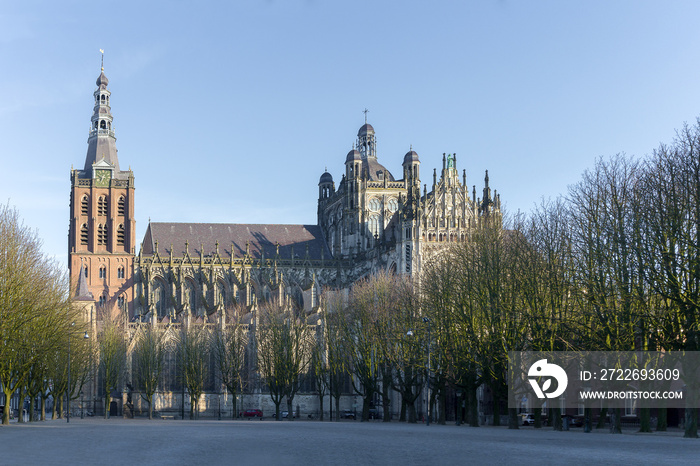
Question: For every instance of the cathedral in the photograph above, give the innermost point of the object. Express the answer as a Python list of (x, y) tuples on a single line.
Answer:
[(184, 273)]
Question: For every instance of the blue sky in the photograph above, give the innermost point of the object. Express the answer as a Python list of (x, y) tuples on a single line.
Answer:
[(230, 111)]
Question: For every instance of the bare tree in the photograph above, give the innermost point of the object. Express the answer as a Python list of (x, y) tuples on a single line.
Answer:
[(193, 361), (112, 353), (284, 352), (147, 358), (670, 215), (35, 309), (229, 345)]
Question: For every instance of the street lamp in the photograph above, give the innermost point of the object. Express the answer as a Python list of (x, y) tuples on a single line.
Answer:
[(427, 405), (68, 390)]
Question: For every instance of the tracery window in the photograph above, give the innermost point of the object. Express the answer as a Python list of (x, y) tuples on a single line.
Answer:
[(393, 204), (375, 204), (373, 225)]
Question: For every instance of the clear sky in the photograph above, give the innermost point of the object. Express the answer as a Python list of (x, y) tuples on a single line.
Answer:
[(230, 111)]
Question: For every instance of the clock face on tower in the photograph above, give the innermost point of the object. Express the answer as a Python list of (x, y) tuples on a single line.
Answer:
[(102, 177)]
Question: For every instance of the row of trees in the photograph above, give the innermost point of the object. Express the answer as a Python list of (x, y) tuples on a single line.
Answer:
[(612, 266), (37, 321)]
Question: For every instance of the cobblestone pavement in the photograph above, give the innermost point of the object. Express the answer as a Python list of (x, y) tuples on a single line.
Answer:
[(119, 441)]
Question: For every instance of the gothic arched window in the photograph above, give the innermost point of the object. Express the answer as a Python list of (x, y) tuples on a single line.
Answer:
[(102, 234), (190, 298), (121, 302), (84, 205), (393, 204), (120, 235), (220, 293), (102, 205), (84, 234), (373, 225), (159, 299), (103, 272), (375, 204), (120, 272)]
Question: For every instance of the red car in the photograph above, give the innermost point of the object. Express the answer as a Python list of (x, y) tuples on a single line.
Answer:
[(253, 413)]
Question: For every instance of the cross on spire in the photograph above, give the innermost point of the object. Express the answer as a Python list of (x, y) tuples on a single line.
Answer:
[(365, 111), (102, 61)]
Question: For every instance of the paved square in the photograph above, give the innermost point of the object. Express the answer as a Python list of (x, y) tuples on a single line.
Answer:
[(139, 441)]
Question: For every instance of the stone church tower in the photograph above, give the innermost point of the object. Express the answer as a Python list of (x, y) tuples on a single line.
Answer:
[(101, 237)]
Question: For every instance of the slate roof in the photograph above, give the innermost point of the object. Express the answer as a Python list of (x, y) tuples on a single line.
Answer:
[(262, 238)]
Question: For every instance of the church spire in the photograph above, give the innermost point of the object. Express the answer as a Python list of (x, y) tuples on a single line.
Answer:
[(101, 139)]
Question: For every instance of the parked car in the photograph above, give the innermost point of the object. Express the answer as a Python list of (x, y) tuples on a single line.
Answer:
[(375, 413), (528, 419), (252, 413), (347, 414), (574, 421), (285, 415)]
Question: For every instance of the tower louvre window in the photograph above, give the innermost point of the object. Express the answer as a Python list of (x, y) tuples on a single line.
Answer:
[(121, 206), (120, 235), (102, 205), (102, 235), (84, 205), (84, 234)]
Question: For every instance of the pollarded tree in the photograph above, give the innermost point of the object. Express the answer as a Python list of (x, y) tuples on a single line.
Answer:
[(193, 361), (35, 307), (229, 346), (112, 353), (364, 327), (670, 215), (337, 348), (284, 342), (147, 358)]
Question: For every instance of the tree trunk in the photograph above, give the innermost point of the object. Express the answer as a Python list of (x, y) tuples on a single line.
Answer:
[(20, 406), (290, 413), (513, 421), (616, 421), (402, 414), (43, 408), (587, 423), (645, 420), (59, 402), (32, 402), (555, 419), (473, 405), (662, 420), (601, 419), (691, 423), (337, 408), (108, 399), (150, 407), (320, 404), (6, 411)]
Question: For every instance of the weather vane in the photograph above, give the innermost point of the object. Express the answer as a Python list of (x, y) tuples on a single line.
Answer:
[(365, 111), (102, 62)]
